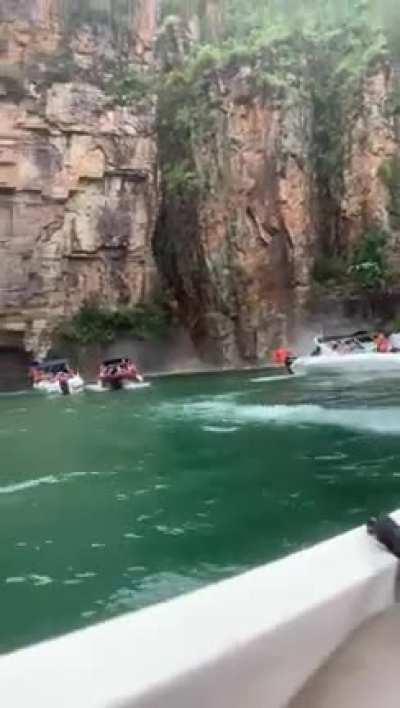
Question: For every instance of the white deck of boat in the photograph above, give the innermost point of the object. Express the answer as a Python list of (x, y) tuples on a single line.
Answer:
[(248, 642), (363, 673)]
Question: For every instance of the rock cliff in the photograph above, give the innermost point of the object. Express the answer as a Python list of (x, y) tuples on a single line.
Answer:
[(140, 151), (279, 157), (236, 231), (78, 168)]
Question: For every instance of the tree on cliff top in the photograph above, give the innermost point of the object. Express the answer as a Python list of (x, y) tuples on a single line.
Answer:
[(237, 19)]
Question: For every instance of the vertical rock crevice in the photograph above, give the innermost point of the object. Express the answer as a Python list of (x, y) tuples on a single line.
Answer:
[(236, 233)]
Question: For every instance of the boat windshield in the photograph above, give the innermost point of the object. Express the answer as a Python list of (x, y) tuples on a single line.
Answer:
[(345, 344), (54, 367)]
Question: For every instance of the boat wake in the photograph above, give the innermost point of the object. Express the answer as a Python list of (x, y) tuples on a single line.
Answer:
[(378, 420), (27, 484), (272, 379), (98, 388)]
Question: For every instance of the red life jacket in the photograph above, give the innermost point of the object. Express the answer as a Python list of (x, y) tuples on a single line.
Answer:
[(383, 346), (280, 355)]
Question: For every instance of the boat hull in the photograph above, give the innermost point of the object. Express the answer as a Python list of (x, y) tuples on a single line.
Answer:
[(343, 363), (75, 385)]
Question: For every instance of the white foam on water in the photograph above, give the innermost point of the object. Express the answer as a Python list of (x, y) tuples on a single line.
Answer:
[(50, 479), (10, 394), (216, 429), (40, 580), (98, 388), (378, 420), (28, 484), (272, 379)]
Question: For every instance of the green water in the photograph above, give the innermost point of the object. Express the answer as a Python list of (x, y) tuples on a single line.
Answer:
[(109, 502)]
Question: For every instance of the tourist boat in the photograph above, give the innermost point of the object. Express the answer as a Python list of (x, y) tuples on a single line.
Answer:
[(117, 373), (354, 352), (55, 376)]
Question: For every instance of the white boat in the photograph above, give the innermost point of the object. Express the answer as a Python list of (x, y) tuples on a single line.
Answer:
[(75, 384), (346, 353), (54, 376)]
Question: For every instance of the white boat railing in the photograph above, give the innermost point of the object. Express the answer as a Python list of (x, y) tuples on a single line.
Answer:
[(248, 641)]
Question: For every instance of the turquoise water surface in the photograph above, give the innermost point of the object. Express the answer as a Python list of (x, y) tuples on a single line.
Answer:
[(113, 501)]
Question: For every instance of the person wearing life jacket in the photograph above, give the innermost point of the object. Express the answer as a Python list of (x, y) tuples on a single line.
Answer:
[(281, 355), (382, 344), (284, 357)]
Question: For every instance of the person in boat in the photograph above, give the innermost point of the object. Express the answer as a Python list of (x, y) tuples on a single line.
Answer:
[(346, 347), (38, 375), (394, 341), (63, 379), (382, 344), (131, 369)]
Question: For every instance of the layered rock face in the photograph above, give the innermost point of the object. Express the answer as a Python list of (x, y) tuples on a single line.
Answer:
[(78, 171)]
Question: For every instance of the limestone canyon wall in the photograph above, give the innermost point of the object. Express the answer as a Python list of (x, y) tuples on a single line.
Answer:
[(78, 170), (214, 190), (237, 253), (255, 205)]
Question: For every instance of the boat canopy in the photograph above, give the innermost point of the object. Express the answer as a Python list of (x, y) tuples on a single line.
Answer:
[(361, 336), (53, 366), (114, 362)]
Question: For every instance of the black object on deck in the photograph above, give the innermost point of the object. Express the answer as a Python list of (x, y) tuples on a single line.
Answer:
[(387, 532)]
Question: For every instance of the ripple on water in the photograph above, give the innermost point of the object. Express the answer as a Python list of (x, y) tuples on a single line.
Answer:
[(216, 429), (131, 535), (40, 580), (72, 581), (49, 479), (88, 614), (170, 531), (28, 484), (35, 579), (150, 589), (86, 575)]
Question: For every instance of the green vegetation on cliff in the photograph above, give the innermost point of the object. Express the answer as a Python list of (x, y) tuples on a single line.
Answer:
[(366, 269), (95, 324), (369, 268), (113, 13), (325, 46), (309, 52)]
